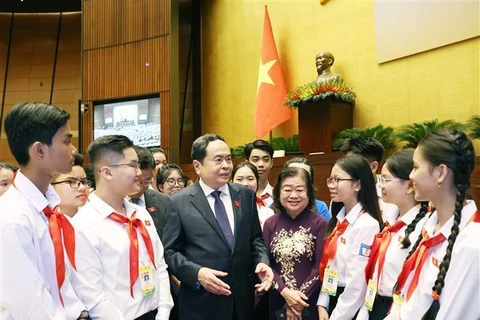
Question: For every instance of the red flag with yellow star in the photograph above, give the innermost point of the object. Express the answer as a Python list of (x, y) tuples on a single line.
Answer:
[(271, 91)]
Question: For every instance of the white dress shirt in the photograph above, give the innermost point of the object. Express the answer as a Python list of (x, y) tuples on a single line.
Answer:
[(28, 279), (395, 257), (421, 298), (350, 262), (263, 214), (103, 252), (268, 190), (226, 199), (460, 298)]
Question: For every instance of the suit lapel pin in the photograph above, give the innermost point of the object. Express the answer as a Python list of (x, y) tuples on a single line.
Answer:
[(151, 209), (237, 204)]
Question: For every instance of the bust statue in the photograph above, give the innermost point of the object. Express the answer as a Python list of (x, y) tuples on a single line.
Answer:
[(323, 61)]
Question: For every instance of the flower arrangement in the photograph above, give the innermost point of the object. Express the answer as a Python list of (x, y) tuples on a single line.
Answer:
[(333, 88)]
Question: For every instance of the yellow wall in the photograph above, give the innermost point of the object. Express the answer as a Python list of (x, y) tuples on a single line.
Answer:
[(442, 83)]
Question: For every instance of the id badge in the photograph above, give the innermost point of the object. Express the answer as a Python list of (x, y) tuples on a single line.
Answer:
[(371, 294), (330, 282), (398, 299), (146, 280)]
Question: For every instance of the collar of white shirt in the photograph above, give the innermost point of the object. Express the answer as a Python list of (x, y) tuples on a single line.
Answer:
[(350, 216), (104, 209), (35, 196), (410, 215), (207, 190), (268, 189), (467, 212)]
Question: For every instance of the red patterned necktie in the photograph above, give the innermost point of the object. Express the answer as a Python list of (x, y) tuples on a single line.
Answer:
[(59, 227), (132, 225)]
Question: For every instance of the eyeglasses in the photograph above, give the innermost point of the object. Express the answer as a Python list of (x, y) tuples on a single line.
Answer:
[(133, 164), (333, 181), (171, 182), (74, 183), (381, 180)]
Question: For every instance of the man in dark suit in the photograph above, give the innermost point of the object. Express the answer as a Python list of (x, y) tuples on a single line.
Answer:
[(213, 240), (155, 202)]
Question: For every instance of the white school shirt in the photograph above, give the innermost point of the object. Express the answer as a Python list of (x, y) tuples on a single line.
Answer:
[(28, 278), (460, 298), (224, 197), (350, 261), (268, 190), (103, 255), (263, 214), (421, 299), (395, 257)]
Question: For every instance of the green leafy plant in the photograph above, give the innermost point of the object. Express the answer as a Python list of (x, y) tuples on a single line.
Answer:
[(473, 127), (237, 152), (287, 144), (384, 135), (413, 133)]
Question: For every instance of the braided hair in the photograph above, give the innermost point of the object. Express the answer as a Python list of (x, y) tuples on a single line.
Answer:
[(400, 164), (455, 150)]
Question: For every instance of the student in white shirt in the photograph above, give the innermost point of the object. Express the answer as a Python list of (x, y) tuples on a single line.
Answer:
[(260, 154), (443, 163), (350, 236), (372, 150), (118, 247), (392, 245), (36, 272), (246, 174), (72, 188)]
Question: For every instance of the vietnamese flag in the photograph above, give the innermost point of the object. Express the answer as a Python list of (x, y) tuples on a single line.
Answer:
[(271, 91)]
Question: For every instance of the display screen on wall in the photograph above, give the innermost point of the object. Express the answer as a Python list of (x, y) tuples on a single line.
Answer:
[(138, 119)]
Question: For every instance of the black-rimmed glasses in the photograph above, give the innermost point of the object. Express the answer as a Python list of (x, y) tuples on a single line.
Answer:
[(171, 182), (74, 183)]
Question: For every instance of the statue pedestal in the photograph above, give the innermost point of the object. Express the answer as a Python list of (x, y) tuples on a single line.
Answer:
[(320, 122)]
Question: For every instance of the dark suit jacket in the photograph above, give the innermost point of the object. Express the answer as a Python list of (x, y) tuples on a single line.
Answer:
[(193, 239), (156, 204)]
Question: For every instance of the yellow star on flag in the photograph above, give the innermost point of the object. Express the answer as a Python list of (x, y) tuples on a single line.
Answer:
[(263, 76)]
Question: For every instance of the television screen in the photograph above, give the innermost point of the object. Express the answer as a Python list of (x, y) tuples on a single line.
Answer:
[(137, 119)]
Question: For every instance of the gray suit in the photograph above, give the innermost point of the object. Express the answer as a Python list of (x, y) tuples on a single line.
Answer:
[(156, 204), (193, 239)]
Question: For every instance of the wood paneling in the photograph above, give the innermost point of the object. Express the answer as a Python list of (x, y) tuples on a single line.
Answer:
[(31, 68), (126, 53)]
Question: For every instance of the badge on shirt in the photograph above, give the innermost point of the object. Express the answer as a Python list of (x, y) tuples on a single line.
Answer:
[(398, 299), (400, 239), (330, 282), (147, 223), (364, 250), (342, 240), (371, 294), (146, 280)]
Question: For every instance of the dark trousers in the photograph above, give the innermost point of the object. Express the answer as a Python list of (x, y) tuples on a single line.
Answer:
[(150, 315), (380, 308), (332, 303)]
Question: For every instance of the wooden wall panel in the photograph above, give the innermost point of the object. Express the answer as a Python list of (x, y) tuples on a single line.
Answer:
[(32, 67), (126, 53)]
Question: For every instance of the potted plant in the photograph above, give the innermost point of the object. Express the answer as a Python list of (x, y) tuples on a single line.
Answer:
[(411, 134), (382, 134)]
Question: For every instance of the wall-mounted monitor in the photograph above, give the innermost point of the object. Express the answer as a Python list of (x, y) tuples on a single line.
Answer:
[(136, 118)]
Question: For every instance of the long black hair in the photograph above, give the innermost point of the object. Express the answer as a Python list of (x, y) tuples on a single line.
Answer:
[(455, 150), (359, 169), (400, 164)]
